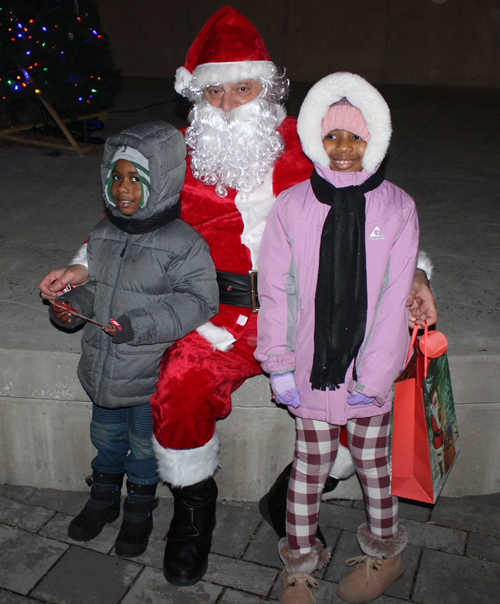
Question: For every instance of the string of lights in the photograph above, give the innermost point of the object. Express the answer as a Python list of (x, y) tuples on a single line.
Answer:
[(55, 48)]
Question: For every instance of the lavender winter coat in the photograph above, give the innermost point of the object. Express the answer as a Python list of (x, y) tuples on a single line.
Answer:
[(287, 285)]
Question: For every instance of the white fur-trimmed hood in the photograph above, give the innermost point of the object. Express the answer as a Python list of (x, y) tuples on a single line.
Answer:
[(359, 93)]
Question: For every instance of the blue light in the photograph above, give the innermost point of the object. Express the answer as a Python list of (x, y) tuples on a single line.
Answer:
[(19, 35), (16, 87), (94, 32), (19, 25), (44, 28), (28, 52), (80, 99)]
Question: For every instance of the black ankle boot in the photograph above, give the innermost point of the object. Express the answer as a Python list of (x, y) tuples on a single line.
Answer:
[(102, 507), (137, 523), (272, 506), (190, 534)]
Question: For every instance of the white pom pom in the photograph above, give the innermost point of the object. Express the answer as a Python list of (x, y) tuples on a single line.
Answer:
[(182, 79)]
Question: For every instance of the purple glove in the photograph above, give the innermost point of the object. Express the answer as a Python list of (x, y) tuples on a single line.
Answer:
[(357, 398), (284, 389)]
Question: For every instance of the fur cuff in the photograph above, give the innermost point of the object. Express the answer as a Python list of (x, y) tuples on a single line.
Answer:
[(382, 548), (304, 563), (184, 467), (424, 263), (219, 337)]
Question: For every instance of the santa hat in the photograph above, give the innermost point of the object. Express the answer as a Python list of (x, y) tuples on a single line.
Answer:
[(227, 49)]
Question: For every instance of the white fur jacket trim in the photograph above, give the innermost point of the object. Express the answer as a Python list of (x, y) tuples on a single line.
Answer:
[(359, 93), (219, 337), (184, 467)]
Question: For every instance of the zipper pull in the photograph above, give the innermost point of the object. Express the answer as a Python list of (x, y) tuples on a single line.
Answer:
[(122, 253)]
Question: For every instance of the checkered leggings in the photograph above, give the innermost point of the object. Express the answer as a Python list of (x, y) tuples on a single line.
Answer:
[(316, 447)]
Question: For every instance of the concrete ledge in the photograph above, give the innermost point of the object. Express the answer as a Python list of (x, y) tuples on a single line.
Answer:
[(45, 414)]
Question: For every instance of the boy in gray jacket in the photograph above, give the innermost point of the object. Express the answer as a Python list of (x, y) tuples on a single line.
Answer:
[(154, 274)]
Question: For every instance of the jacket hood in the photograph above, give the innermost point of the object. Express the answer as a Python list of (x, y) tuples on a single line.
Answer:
[(164, 148), (359, 93)]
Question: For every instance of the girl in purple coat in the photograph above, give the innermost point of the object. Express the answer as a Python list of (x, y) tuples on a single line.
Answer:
[(339, 254)]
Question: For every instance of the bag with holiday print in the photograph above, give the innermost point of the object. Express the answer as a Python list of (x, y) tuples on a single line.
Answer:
[(425, 440)]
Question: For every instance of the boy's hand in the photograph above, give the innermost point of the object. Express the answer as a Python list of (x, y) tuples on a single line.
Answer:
[(64, 317), (111, 331), (53, 284), (421, 302)]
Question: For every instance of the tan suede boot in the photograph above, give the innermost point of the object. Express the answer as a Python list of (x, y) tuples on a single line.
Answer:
[(381, 566), (297, 581)]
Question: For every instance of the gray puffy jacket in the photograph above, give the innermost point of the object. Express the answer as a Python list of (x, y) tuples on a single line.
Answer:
[(162, 280)]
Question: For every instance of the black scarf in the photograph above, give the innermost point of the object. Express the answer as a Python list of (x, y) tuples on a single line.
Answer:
[(138, 227), (341, 297)]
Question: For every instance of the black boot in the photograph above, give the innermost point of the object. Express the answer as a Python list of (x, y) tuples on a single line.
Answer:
[(190, 535), (102, 507), (137, 522), (272, 506)]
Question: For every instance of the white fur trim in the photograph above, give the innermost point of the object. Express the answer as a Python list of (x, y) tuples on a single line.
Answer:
[(219, 337), (81, 256), (182, 80), (254, 208), (359, 93), (343, 466), (184, 467), (219, 73), (424, 263)]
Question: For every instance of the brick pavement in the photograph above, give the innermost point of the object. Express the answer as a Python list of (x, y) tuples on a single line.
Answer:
[(453, 556)]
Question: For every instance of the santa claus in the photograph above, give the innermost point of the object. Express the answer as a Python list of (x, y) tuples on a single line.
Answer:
[(243, 151)]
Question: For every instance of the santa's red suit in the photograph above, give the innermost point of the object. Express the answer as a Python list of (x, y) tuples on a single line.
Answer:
[(196, 381)]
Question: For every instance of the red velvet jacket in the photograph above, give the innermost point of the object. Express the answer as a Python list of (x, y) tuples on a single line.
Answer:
[(218, 220)]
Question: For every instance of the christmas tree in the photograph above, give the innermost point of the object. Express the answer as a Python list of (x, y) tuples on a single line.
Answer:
[(57, 49)]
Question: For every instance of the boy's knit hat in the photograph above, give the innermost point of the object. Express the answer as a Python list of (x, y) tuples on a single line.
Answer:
[(344, 116), (140, 163)]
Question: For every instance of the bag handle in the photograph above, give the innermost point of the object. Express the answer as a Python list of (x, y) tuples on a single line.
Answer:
[(426, 343)]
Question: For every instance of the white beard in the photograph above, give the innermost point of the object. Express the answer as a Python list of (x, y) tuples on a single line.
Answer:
[(234, 150)]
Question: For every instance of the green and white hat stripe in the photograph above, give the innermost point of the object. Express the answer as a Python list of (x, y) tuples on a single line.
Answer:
[(140, 163)]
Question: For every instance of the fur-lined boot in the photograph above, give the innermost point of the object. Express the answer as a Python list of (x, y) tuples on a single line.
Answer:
[(381, 566), (297, 581)]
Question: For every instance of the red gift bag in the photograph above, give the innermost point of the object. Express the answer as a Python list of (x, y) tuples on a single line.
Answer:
[(424, 442)]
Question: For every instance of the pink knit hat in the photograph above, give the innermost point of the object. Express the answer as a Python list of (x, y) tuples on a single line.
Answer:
[(344, 116)]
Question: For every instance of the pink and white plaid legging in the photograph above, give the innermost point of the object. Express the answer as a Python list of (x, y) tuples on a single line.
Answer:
[(316, 445)]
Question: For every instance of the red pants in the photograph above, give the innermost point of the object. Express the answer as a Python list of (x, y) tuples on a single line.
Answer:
[(195, 386)]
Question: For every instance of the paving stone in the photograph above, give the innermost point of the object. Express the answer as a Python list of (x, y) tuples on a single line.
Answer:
[(152, 588), (6, 597), (67, 502), (239, 574), (429, 535), (17, 492), (478, 514), (83, 576), (342, 517), (231, 596), (264, 547), (23, 515), (29, 558), (449, 579), (57, 528), (483, 547), (235, 528)]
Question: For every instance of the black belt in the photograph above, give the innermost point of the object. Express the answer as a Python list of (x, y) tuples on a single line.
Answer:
[(238, 290)]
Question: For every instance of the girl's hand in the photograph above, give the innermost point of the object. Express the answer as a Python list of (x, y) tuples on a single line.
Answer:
[(284, 389)]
